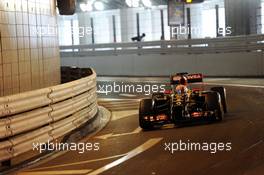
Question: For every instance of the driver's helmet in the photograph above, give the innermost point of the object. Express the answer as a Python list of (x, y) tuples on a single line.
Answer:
[(183, 81), (181, 88)]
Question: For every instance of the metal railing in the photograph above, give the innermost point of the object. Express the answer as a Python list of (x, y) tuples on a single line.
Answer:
[(45, 115), (193, 46)]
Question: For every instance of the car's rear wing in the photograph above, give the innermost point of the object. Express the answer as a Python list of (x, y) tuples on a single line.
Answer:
[(192, 78)]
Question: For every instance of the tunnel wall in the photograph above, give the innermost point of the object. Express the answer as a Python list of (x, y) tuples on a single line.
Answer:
[(29, 54), (242, 9), (218, 64)]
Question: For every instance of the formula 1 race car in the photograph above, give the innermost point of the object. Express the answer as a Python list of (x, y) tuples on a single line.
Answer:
[(179, 104)]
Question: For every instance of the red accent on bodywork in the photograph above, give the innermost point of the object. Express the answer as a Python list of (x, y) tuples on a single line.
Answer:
[(197, 89), (197, 114), (167, 91)]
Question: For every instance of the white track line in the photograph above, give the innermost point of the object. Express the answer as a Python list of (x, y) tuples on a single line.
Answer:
[(111, 135), (78, 163), (235, 85), (59, 172), (150, 143), (252, 146)]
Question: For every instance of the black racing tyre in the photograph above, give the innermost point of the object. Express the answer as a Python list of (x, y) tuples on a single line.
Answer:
[(158, 94), (213, 102), (145, 109), (177, 115), (222, 92), (154, 96)]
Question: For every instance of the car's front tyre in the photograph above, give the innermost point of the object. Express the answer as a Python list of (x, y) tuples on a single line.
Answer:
[(213, 102), (145, 109), (222, 92)]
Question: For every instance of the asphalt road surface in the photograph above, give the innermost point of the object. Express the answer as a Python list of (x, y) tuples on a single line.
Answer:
[(124, 149)]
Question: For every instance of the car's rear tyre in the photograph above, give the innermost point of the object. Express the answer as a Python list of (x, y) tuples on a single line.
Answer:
[(222, 92), (145, 109), (213, 102)]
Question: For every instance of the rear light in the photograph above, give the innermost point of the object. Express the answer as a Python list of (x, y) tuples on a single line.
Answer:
[(197, 114), (162, 117), (156, 118)]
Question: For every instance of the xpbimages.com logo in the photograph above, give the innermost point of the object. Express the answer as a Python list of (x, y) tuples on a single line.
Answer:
[(58, 146), (48, 30), (122, 87), (212, 147)]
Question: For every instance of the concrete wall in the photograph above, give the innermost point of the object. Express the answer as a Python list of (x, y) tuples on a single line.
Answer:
[(28, 60), (224, 64)]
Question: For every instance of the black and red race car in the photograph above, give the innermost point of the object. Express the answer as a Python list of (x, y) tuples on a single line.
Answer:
[(180, 104)]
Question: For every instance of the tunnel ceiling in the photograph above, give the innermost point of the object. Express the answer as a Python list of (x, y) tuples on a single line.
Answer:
[(119, 4)]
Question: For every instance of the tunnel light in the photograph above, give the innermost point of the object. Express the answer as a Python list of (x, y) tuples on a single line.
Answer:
[(147, 3), (57, 11), (129, 3), (86, 7), (98, 5), (89, 6), (83, 7), (135, 3), (132, 3)]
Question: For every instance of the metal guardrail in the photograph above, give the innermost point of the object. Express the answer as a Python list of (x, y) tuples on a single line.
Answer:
[(193, 46), (45, 115)]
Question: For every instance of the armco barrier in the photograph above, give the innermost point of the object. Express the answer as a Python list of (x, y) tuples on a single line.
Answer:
[(191, 46), (45, 115)]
